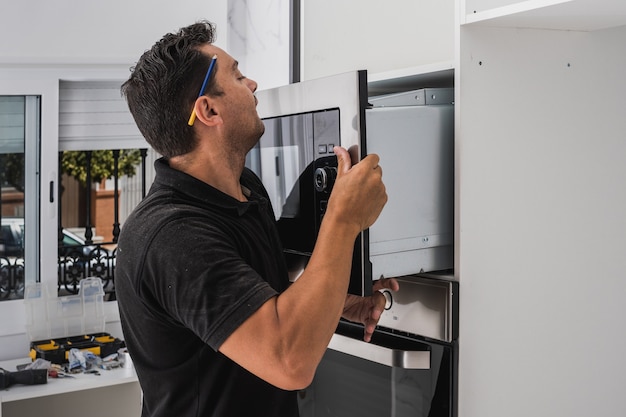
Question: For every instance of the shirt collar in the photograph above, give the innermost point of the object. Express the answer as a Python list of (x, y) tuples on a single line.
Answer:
[(169, 177)]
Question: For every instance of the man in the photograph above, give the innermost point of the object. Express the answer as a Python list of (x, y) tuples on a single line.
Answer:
[(209, 317)]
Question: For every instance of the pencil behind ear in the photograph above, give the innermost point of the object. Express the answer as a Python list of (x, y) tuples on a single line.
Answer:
[(193, 116)]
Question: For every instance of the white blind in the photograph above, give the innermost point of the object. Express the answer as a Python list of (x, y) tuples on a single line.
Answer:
[(93, 115), (12, 124)]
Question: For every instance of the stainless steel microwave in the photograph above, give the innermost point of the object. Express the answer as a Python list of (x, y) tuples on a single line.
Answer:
[(413, 134)]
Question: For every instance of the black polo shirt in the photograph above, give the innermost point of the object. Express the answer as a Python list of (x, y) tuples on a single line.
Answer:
[(193, 264)]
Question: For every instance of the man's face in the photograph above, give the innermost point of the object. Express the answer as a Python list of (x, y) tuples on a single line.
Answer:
[(242, 124)]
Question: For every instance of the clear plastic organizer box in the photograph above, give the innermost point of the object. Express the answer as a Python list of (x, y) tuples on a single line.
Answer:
[(49, 316)]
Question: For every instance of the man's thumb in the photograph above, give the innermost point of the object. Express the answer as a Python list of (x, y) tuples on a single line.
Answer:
[(344, 162)]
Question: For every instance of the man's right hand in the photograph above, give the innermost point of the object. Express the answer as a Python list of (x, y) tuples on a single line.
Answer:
[(358, 195)]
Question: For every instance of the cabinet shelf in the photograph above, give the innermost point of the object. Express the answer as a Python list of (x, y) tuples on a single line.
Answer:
[(431, 76), (576, 15)]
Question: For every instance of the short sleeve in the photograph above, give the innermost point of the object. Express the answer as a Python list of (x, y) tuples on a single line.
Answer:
[(201, 279)]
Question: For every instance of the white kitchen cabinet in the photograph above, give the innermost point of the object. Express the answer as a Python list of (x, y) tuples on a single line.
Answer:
[(347, 35), (541, 203)]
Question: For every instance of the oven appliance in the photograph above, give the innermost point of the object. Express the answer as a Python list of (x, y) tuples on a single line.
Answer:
[(409, 369), (413, 134)]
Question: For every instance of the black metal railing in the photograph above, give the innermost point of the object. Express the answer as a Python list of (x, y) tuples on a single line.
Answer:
[(11, 278), (75, 265)]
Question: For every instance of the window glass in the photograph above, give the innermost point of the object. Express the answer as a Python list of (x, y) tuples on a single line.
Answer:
[(13, 134)]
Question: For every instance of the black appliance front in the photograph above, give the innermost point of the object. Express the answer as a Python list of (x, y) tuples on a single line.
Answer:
[(346, 385)]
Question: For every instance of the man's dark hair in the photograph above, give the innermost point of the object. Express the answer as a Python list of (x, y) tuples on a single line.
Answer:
[(164, 85)]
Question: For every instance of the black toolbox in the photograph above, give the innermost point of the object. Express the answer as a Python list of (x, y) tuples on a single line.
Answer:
[(57, 350)]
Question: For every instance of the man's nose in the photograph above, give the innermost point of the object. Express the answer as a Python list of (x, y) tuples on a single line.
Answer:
[(252, 85)]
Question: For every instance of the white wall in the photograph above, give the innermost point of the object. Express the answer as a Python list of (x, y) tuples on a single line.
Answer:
[(258, 37), (347, 35), (103, 32)]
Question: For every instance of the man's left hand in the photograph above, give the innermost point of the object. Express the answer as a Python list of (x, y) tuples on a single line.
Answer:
[(367, 310)]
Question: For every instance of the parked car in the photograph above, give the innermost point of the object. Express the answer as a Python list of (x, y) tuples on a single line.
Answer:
[(12, 240), (12, 237)]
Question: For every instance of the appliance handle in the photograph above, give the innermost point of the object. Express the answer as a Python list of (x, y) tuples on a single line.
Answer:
[(400, 358)]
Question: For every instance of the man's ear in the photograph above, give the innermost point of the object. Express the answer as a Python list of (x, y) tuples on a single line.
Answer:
[(206, 111)]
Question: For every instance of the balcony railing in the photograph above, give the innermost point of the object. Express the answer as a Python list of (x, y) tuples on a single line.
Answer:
[(75, 265), (11, 277)]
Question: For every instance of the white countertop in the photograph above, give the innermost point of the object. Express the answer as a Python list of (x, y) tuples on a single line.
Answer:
[(63, 385)]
